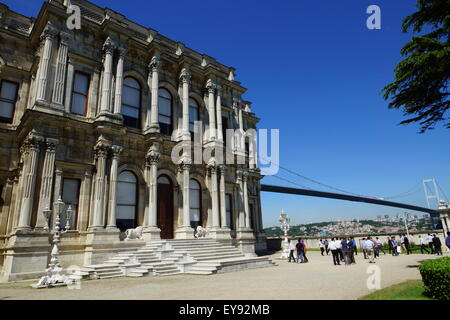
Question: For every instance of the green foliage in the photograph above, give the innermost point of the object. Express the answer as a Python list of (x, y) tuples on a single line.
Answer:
[(436, 278), (421, 86)]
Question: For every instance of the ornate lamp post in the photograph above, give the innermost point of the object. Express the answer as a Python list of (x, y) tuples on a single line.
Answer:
[(284, 226), (54, 275)]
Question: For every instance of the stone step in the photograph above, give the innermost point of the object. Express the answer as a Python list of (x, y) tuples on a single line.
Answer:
[(198, 250), (110, 274), (217, 255), (201, 272)]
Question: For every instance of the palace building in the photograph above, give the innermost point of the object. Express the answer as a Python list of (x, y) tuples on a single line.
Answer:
[(91, 116)]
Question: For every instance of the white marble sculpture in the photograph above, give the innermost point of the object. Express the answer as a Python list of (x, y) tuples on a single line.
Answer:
[(200, 232), (134, 234)]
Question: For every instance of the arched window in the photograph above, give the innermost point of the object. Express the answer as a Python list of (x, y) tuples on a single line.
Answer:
[(165, 111), (126, 204), (194, 115), (195, 200), (131, 102)]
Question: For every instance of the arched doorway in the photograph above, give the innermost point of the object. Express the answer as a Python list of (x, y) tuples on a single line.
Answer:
[(165, 207), (126, 204)]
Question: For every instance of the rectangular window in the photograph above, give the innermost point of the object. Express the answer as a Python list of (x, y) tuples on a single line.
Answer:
[(70, 196), (229, 210), (80, 93), (8, 98)]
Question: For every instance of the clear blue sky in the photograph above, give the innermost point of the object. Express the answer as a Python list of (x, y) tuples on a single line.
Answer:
[(314, 71)]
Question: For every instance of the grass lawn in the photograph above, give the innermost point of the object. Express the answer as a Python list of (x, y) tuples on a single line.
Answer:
[(408, 290)]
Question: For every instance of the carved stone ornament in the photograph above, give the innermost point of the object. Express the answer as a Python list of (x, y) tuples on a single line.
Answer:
[(109, 46), (185, 75), (154, 64)]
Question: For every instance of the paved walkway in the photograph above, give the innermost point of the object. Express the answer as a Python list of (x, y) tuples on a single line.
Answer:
[(318, 279)]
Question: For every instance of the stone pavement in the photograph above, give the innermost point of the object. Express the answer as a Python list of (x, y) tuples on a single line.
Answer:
[(318, 279)]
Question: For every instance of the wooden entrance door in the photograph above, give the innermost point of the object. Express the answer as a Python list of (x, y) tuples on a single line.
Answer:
[(165, 207)]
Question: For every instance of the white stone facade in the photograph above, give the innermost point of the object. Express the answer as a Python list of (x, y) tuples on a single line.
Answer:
[(91, 122)]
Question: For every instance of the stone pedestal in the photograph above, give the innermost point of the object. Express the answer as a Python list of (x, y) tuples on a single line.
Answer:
[(246, 241), (27, 256), (100, 245), (151, 233), (261, 243), (184, 233), (220, 234)]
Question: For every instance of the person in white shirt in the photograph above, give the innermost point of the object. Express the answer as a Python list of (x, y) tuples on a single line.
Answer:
[(291, 251), (321, 246), (369, 244), (402, 242), (422, 245), (332, 245), (430, 243)]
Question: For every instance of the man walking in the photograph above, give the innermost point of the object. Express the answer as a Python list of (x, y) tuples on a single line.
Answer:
[(390, 245), (437, 245), (422, 245), (379, 246), (394, 244), (300, 250), (351, 250), (430, 243), (344, 246), (407, 247), (369, 244), (334, 252), (321, 247), (326, 246), (291, 251), (363, 247)]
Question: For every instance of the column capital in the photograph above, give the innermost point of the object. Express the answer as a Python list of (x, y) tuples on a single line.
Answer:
[(109, 46), (49, 32), (122, 51), (32, 142), (219, 90), (154, 64), (211, 86), (184, 164), (65, 38), (152, 157), (116, 151), (50, 144), (185, 75)]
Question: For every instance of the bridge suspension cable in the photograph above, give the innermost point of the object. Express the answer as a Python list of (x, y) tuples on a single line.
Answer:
[(410, 191)]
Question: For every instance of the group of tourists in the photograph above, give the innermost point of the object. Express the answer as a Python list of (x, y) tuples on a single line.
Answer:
[(344, 249), (300, 248)]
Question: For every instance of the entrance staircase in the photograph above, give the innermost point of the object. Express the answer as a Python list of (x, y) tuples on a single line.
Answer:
[(170, 257)]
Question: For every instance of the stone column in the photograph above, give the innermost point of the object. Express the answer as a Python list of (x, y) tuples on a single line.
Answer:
[(240, 193), (185, 77), (151, 229), (101, 152), (214, 197), (153, 122), (115, 151), (185, 231), (223, 208), (219, 113), (108, 48), (30, 151), (60, 77), (241, 129), (119, 81), (210, 85), (44, 65), (246, 207), (46, 182)]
